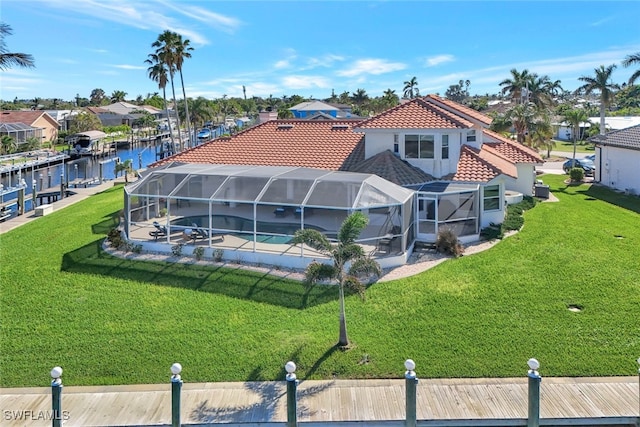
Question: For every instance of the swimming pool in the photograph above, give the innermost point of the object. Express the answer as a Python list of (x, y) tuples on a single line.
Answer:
[(268, 232)]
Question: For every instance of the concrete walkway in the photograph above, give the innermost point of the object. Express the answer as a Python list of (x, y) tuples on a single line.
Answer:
[(450, 402)]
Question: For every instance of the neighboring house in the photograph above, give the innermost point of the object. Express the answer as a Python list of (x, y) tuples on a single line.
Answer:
[(317, 109), (22, 125), (443, 151), (565, 130), (618, 159)]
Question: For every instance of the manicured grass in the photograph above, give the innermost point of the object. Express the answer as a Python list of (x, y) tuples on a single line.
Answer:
[(567, 146), (112, 321)]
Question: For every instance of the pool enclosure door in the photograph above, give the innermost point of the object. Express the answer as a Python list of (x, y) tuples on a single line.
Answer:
[(455, 211)]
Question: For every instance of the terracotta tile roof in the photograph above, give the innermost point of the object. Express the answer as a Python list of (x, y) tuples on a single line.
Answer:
[(510, 149), (624, 138), (97, 110), (315, 144), (390, 167), (26, 117), (416, 114), (459, 108), (482, 165)]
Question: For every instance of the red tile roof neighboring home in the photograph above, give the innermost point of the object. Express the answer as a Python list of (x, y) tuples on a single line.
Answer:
[(331, 145), (416, 114), (34, 118), (511, 149), (459, 108), (482, 165)]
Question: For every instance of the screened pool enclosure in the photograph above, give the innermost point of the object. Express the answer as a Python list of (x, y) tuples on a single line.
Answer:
[(250, 213)]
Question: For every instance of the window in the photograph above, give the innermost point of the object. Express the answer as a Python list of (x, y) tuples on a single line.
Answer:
[(491, 198), (419, 146), (445, 146), (411, 146), (427, 146), (396, 145), (471, 136)]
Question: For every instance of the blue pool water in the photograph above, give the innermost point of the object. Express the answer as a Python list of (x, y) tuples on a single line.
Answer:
[(268, 232)]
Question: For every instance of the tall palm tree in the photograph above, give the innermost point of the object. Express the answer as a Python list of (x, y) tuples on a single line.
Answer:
[(345, 251), (514, 86), (182, 51), (602, 83), (540, 134), (575, 117), (360, 97), (9, 59), (629, 61), (410, 89), (165, 50), (118, 96), (158, 73)]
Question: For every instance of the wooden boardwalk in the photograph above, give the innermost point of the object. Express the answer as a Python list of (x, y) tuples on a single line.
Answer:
[(447, 402)]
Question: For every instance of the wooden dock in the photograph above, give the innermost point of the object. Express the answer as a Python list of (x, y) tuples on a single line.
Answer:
[(440, 402)]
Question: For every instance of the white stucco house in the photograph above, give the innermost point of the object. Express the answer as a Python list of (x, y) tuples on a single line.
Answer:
[(435, 162), (618, 159)]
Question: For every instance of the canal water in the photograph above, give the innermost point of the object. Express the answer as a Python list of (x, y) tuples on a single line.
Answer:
[(44, 179)]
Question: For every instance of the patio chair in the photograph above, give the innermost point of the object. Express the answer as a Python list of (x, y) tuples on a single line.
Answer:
[(204, 233), (160, 230)]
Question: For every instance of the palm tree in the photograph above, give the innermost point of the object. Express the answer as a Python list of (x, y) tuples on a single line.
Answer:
[(602, 83), (540, 134), (522, 117), (360, 97), (575, 117), (345, 251), (182, 51), (8, 145), (629, 61), (9, 59), (158, 73), (166, 53), (514, 85), (118, 96), (125, 167), (410, 89)]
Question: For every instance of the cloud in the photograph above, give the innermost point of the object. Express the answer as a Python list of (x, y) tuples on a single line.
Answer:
[(129, 67), (149, 15), (602, 21), (223, 23), (283, 63), (305, 82), (371, 66), (324, 61), (439, 59)]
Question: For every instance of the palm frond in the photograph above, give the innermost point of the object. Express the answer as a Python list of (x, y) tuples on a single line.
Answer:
[(352, 227), (313, 238), (317, 271), (365, 266), (352, 284)]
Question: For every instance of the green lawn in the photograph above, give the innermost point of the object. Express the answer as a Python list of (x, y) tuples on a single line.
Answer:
[(112, 321), (567, 147)]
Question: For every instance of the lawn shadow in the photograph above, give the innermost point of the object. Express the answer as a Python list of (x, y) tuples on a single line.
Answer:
[(600, 192), (232, 282), (109, 222), (269, 394)]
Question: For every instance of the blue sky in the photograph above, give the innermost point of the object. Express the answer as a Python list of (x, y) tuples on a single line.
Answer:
[(309, 48)]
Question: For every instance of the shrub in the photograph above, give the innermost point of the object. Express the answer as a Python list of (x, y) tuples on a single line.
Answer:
[(198, 252), (217, 255), (576, 174), (447, 242), (137, 249), (176, 250), (115, 238), (493, 231)]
